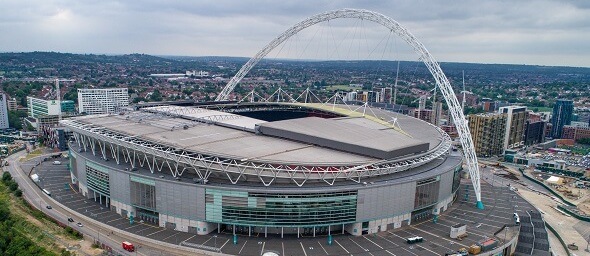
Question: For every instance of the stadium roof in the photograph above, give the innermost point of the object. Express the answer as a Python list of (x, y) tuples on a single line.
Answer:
[(312, 141), (347, 136)]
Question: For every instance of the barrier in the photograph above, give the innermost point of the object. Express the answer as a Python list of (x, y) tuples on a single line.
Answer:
[(575, 214), (559, 238)]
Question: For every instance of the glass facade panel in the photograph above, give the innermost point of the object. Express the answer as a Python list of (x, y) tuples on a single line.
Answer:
[(426, 192), (143, 195), (98, 180), (280, 210)]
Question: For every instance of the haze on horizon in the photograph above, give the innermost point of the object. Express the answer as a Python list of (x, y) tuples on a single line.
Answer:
[(549, 32)]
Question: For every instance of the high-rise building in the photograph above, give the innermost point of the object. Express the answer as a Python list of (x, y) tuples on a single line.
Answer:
[(516, 117), (40, 107), (534, 132), (102, 101), (562, 115), (436, 113), (3, 112), (487, 132)]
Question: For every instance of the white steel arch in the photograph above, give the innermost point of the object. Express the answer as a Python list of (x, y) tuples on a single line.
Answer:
[(432, 65)]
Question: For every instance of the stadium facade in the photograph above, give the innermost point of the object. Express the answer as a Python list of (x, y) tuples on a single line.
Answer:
[(265, 168)]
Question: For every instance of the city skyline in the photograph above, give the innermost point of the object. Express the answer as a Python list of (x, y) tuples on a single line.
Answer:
[(530, 32)]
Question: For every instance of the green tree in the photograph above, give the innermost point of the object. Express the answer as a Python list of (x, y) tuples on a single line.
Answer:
[(156, 95), (14, 119)]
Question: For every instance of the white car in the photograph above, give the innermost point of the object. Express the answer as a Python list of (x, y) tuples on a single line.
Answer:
[(80, 224)]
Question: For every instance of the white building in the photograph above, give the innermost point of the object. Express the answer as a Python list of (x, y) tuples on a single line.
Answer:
[(3, 112), (102, 101), (41, 107)]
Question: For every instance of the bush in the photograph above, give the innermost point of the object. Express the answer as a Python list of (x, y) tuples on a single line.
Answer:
[(6, 177), (18, 193), (13, 186)]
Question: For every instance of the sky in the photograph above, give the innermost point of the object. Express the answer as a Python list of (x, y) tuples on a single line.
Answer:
[(552, 32)]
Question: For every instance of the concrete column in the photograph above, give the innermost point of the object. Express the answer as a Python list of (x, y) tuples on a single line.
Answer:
[(297, 232), (265, 233), (329, 230), (313, 231), (281, 232), (234, 229), (218, 228), (249, 231)]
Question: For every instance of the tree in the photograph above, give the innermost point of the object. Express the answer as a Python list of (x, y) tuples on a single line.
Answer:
[(14, 119), (585, 141), (156, 95)]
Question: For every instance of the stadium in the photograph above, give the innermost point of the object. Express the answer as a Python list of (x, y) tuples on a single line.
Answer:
[(299, 169)]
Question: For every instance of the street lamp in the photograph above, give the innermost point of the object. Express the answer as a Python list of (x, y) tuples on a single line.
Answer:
[(215, 236)]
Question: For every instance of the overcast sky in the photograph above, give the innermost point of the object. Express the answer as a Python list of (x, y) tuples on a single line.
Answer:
[(510, 31)]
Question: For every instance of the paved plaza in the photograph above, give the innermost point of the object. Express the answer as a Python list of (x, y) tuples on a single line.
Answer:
[(481, 224)]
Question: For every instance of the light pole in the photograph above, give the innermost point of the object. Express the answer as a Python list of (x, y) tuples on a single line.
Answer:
[(215, 236)]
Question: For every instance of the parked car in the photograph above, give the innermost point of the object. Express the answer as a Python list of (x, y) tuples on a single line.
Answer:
[(80, 224), (49, 207), (70, 220)]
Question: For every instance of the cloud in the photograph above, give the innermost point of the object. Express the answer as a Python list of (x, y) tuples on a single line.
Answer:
[(547, 32)]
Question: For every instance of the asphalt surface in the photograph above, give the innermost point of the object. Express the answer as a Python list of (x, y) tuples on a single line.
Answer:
[(20, 172), (481, 224)]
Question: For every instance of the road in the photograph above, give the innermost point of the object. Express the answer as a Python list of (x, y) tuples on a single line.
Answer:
[(545, 204), (91, 231)]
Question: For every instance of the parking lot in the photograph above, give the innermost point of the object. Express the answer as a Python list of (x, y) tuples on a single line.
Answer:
[(481, 224)]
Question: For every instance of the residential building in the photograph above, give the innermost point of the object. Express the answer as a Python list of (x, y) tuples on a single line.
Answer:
[(516, 117), (487, 132), (562, 115), (11, 104), (575, 132), (437, 113), (102, 101), (534, 132), (3, 112), (40, 107), (422, 114)]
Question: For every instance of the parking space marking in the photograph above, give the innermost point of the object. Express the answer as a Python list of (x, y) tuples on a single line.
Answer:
[(303, 248), (341, 246), (427, 249), (240, 248), (283, 246), (389, 252), (442, 237), (170, 236), (387, 240), (320, 246), (364, 249), (155, 232), (223, 244), (113, 220), (148, 227), (194, 236), (262, 250), (373, 242), (207, 240), (408, 251)]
